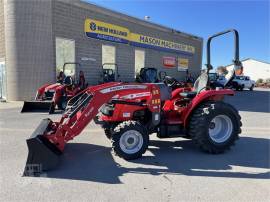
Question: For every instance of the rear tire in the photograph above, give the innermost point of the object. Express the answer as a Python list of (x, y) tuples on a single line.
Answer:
[(251, 88), (242, 87), (215, 126), (130, 140)]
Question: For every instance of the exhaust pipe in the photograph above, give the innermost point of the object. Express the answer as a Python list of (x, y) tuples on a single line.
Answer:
[(42, 154), (38, 106)]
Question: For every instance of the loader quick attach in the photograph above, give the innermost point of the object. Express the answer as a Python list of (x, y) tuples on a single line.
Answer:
[(130, 112)]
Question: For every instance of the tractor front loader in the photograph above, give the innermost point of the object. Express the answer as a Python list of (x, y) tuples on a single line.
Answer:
[(131, 112), (48, 141)]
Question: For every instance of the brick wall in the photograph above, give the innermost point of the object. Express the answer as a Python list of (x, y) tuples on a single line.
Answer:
[(32, 26), (68, 22), (29, 48)]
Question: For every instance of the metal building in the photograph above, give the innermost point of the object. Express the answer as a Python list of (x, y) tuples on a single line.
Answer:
[(37, 37), (255, 69)]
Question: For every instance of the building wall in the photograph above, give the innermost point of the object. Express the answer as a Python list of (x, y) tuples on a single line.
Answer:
[(32, 26), (68, 22), (29, 47), (2, 30)]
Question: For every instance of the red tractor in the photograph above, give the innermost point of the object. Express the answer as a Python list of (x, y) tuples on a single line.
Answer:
[(50, 96), (130, 112)]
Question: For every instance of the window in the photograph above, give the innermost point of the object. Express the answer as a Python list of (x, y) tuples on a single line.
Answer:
[(139, 60), (108, 55), (65, 52)]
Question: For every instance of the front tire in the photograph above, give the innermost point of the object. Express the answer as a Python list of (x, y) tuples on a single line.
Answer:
[(251, 88), (108, 133), (130, 140), (215, 126)]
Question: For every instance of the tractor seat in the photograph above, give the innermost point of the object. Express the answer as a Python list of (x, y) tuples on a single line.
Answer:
[(188, 94)]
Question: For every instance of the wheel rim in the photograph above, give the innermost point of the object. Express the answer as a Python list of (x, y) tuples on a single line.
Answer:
[(220, 128), (131, 141)]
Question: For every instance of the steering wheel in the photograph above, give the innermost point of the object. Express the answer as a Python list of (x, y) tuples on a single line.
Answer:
[(172, 82), (162, 75)]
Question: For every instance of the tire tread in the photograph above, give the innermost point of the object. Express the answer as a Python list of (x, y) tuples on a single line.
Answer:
[(197, 127)]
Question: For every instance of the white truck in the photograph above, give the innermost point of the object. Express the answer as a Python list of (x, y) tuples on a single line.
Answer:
[(221, 79), (242, 82)]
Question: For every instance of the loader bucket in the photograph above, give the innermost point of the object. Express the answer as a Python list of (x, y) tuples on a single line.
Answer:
[(42, 154), (38, 106)]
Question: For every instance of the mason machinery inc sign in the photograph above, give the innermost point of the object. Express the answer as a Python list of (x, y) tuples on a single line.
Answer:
[(159, 44), (106, 31)]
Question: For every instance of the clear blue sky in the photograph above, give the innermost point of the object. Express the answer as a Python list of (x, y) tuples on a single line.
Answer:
[(204, 18)]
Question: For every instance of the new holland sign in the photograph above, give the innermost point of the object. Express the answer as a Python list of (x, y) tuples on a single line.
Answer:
[(106, 31), (110, 32)]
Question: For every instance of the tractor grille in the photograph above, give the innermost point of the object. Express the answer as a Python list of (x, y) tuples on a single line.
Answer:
[(49, 95)]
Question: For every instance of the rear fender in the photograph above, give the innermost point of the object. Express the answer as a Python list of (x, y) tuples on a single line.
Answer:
[(169, 104), (202, 97)]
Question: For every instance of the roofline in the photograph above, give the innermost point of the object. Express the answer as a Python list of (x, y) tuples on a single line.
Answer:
[(130, 18), (255, 60), (250, 59)]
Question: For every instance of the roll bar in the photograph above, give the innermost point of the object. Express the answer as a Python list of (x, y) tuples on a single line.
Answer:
[(236, 60), (71, 63)]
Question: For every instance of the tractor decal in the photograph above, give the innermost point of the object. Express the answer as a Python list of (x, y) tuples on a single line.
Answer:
[(117, 88), (136, 95)]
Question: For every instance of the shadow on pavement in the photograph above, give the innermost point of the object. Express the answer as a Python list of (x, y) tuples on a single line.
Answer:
[(253, 101), (95, 163)]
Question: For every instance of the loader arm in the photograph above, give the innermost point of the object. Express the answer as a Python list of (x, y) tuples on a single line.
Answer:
[(49, 138), (82, 112)]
